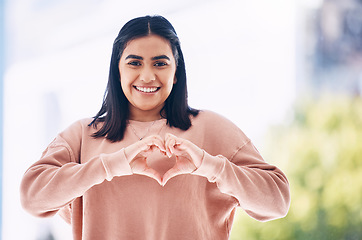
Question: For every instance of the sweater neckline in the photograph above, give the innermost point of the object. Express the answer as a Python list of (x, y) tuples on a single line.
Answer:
[(145, 122), (143, 129), (141, 124)]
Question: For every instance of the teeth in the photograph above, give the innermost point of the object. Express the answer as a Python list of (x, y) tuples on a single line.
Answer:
[(146, 90)]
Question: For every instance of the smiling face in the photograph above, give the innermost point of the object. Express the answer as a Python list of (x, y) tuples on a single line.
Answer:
[(147, 68)]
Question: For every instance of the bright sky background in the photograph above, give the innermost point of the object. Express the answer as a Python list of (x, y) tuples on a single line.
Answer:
[(240, 57)]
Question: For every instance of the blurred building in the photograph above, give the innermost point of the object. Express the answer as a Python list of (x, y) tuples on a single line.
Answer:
[(333, 57)]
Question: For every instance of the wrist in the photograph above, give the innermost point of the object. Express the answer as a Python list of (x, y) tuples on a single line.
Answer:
[(115, 164), (210, 167), (130, 152)]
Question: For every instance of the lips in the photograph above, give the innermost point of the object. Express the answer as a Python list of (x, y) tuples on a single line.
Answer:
[(147, 89)]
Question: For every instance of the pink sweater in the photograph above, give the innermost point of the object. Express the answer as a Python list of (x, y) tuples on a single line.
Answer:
[(90, 183)]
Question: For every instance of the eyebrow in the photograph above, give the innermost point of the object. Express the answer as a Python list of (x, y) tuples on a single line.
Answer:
[(161, 57), (134, 56), (141, 58)]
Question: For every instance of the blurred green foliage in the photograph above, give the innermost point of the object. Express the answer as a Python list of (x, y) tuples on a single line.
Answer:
[(321, 153)]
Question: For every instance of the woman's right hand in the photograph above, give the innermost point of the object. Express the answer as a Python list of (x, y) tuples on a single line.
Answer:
[(138, 152)]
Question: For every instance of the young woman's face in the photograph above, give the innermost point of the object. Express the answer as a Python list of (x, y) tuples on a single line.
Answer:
[(147, 68)]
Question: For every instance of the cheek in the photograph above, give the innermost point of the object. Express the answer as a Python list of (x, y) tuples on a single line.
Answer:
[(125, 79), (170, 86), (169, 78), (168, 83), (125, 86)]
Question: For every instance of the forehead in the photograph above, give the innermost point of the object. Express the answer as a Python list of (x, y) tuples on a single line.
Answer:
[(152, 45)]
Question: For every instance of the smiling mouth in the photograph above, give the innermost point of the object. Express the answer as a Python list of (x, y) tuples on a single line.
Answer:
[(147, 89)]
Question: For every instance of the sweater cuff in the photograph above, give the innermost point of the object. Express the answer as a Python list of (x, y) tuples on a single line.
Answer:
[(211, 167), (115, 164)]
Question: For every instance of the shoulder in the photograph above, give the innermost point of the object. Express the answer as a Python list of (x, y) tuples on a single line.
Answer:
[(75, 136), (217, 125), (214, 120), (78, 125), (77, 130)]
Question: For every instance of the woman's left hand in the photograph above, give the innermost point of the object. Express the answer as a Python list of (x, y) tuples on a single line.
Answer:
[(188, 156)]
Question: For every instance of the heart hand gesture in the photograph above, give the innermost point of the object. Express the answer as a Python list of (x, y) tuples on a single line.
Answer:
[(188, 156), (138, 152)]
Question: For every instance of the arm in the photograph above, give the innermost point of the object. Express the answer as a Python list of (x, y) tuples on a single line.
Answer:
[(57, 179), (262, 190)]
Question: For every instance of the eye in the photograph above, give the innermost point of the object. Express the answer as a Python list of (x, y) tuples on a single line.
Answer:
[(160, 64), (134, 63)]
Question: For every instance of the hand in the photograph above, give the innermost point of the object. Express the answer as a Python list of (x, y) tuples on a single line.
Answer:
[(188, 156), (138, 152)]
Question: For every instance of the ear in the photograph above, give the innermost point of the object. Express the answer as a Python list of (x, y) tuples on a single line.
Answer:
[(174, 80)]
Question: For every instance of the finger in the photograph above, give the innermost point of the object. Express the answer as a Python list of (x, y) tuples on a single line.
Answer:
[(132, 151), (149, 172), (156, 140), (174, 145), (139, 166), (172, 140), (167, 143), (170, 143), (143, 148), (170, 150), (195, 153), (170, 174), (153, 148)]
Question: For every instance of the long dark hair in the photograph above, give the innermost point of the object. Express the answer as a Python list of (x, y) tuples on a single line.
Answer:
[(114, 112)]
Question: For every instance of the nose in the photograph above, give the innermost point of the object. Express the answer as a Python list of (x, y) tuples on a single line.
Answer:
[(147, 75)]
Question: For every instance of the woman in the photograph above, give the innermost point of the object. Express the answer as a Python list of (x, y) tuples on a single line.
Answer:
[(148, 166)]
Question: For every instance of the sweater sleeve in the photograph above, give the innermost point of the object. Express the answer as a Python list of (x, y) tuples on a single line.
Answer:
[(57, 179), (262, 190)]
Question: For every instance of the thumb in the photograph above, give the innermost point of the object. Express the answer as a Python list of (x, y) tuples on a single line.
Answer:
[(149, 172), (170, 174)]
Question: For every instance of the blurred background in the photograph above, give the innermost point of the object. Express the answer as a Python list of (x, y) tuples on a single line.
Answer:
[(287, 72)]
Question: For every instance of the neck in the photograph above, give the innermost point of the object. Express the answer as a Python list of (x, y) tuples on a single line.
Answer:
[(144, 116)]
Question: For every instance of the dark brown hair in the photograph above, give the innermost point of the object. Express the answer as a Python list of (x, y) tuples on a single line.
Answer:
[(114, 112)]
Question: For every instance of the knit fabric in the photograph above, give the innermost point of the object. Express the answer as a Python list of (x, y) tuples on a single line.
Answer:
[(90, 183)]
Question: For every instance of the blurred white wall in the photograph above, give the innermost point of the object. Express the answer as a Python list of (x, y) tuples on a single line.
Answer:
[(240, 59)]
